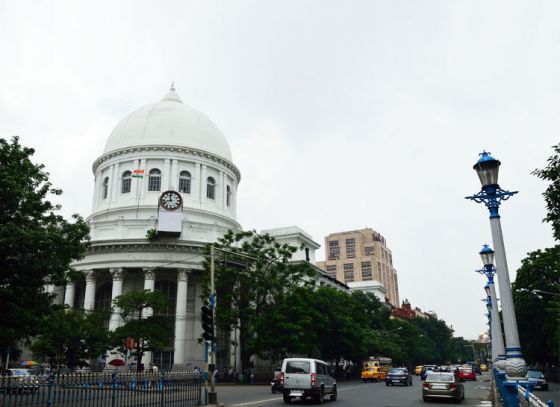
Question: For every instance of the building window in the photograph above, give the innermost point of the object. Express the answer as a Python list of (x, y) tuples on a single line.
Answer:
[(169, 289), (331, 271), (348, 272), (105, 188), (351, 248), (210, 188), (154, 180), (369, 251), (366, 270), (126, 182), (228, 195), (185, 182), (334, 250), (103, 297)]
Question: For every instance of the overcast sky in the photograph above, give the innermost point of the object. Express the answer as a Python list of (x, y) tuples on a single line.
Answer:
[(340, 114)]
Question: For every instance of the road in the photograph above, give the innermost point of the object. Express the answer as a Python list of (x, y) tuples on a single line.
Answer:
[(355, 394)]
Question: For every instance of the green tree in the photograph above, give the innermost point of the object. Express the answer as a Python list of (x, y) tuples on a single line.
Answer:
[(69, 336), (255, 275), (538, 315), (37, 245), (151, 332), (552, 194)]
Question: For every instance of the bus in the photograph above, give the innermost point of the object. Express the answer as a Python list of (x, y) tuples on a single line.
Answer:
[(375, 368)]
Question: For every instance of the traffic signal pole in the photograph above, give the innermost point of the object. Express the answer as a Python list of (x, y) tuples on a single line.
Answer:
[(212, 395)]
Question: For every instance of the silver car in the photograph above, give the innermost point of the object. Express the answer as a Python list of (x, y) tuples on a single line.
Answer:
[(442, 385), (305, 378)]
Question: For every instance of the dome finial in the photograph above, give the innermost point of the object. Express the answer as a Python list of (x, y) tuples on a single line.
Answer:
[(172, 88)]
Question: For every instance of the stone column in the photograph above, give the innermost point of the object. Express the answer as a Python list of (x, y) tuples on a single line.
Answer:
[(180, 320), (116, 319), (89, 301), (58, 291), (69, 294), (149, 284)]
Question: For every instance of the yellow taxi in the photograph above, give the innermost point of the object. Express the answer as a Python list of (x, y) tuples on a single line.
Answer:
[(374, 374), (418, 370)]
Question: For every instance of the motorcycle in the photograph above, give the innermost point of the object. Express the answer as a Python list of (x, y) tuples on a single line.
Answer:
[(275, 386)]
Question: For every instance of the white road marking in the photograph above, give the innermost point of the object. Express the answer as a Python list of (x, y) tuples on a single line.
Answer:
[(279, 398)]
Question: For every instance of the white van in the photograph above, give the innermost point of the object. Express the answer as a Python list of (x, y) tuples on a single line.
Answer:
[(307, 378)]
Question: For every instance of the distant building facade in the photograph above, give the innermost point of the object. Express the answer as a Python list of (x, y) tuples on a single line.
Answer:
[(361, 255)]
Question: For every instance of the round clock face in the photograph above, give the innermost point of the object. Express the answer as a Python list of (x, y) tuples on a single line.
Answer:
[(170, 200)]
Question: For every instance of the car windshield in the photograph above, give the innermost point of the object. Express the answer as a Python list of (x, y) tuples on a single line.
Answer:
[(298, 367), (396, 371), (535, 374), (440, 377)]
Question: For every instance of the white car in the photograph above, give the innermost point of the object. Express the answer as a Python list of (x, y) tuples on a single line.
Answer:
[(305, 378)]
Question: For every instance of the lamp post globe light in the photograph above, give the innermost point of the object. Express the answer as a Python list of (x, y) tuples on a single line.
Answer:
[(498, 349), (487, 168)]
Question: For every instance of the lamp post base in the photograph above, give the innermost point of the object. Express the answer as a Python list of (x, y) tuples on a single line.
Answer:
[(515, 367)]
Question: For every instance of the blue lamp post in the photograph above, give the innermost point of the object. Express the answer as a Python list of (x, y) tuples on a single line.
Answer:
[(492, 195), (498, 351)]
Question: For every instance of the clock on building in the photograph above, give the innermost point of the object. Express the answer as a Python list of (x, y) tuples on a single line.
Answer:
[(170, 200)]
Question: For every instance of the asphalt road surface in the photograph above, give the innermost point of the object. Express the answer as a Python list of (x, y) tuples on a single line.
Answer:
[(355, 394)]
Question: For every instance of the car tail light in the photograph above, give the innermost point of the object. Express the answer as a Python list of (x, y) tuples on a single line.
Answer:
[(313, 378), (282, 378), (453, 386), (426, 385)]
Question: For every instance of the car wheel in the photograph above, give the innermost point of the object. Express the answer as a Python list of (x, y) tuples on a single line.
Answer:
[(426, 399), (334, 394), (364, 380), (321, 396), (545, 388), (287, 399), (386, 383)]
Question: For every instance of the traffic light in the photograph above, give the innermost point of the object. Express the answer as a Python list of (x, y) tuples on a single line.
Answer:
[(207, 317)]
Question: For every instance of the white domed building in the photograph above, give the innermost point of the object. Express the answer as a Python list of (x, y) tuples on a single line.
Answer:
[(165, 146), (166, 169)]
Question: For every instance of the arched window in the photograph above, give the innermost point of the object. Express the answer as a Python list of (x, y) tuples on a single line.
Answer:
[(105, 188), (210, 188), (185, 182), (228, 196), (126, 182), (154, 180)]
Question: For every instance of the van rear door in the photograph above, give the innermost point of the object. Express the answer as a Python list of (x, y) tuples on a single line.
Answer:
[(297, 374)]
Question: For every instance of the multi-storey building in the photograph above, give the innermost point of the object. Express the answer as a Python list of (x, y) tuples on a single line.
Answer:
[(361, 255)]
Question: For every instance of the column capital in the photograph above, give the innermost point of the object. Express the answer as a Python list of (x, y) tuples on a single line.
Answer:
[(182, 275), (117, 273), (149, 273), (90, 276)]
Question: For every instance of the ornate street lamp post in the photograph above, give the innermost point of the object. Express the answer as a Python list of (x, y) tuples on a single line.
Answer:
[(498, 351), (492, 195)]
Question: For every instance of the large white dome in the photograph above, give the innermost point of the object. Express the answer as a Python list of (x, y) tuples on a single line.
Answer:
[(170, 123)]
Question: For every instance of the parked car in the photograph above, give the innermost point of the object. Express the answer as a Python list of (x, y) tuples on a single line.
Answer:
[(303, 378), (538, 379), (418, 370), (19, 381), (398, 375), (425, 369), (466, 373), (442, 385)]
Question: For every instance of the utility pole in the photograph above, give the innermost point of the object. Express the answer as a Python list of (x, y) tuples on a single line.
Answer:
[(212, 395)]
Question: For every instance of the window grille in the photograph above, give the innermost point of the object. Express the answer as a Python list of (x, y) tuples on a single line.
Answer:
[(154, 180), (210, 188), (185, 182), (126, 182), (366, 270)]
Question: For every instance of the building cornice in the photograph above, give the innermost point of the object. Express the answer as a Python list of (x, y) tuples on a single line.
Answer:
[(168, 148), (135, 245)]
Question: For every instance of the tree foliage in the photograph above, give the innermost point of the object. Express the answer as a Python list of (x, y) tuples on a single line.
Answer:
[(538, 312), (252, 278), (552, 194), (151, 332), (69, 336), (37, 245)]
